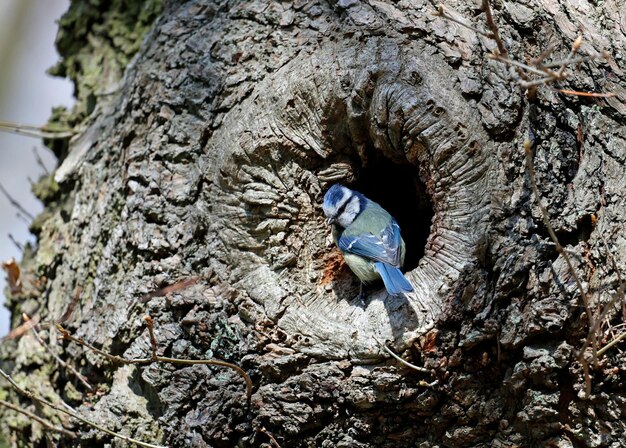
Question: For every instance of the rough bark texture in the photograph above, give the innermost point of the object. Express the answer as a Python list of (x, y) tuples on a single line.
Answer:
[(209, 157)]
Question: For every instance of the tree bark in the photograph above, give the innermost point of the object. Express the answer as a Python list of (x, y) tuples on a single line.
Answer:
[(208, 158)]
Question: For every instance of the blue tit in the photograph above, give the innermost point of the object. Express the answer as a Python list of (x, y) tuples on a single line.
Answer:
[(368, 237)]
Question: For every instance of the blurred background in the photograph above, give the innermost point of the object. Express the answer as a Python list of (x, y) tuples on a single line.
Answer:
[(27, 94)]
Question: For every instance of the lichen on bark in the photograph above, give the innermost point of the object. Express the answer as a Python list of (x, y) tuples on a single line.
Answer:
[(211, 159), (96, 41)]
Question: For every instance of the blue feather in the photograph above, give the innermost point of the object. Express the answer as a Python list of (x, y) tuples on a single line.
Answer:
[(385, 249), (368, 237), (333, 195), (395, 282)]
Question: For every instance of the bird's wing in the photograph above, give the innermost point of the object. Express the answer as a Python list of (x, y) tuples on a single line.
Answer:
[(385, 248)]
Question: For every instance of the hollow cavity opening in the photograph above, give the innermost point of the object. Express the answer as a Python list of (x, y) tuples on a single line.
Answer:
[(399, 190)]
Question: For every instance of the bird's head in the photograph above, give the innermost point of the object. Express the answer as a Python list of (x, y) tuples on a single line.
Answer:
[(342, 205)]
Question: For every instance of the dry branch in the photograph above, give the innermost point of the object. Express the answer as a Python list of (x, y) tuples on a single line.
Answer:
[(72, 413), (441, 12), (530, 170), (43, 422), (35, 131), (398, 358), (535, 66), (491, 23), (15, 203), (34, 330), (156, 358)]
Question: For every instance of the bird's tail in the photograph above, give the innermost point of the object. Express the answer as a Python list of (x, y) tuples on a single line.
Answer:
[(395, 281)]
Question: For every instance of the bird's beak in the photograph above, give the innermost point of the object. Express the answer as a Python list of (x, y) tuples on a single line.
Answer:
[(329, 221)]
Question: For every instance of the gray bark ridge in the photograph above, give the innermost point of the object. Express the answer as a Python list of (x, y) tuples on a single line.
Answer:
[(285, 134), (212, 160), (265, 172)]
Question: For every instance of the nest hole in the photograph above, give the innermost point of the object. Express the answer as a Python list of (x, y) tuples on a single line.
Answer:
[(399, 190)]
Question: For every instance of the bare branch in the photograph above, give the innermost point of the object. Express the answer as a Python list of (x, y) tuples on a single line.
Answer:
[(34, 330), (491, 23), (40, 161), (22, 329), (273, 441), (617, 339), (45, 423), (15, 204), (535, 66), (16, 243), (153, 341), (536, 82), (591, 94), (537, 71), (546, 220), (530, 170), (406, 363), (575, 47), (155, 358), (35, 131), (619, 295), (544, 54), (72, 413), (441, 12)]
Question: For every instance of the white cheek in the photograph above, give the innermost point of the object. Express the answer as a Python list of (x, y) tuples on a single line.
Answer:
[(350, 213), (344, 221)]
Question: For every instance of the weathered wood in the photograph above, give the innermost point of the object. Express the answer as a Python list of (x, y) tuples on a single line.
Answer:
[(210, 156)]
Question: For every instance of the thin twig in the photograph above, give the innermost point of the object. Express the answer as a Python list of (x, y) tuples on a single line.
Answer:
[(273, 441), (15, 204), (441, 12), (114, 358), (544, 54), (145, 361), (72, 413), (491, 23), (535, 66), (546, 220), (153, 341), (35, 131), (536, 82), (40, 161), (619, 295), (591, 94), (529, 68), (24, 219), (603, 350), (16, 243), (406, 363), (34, 330), (22, 329), (571, 61), (45, 423), (575, 47)]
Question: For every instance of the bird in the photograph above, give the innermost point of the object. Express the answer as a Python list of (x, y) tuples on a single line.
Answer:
[(368, 238)]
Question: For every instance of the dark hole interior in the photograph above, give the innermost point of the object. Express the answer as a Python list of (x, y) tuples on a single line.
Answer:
[(399, 190)]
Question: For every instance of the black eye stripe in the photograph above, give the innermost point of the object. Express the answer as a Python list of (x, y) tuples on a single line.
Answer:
[(343, 208)]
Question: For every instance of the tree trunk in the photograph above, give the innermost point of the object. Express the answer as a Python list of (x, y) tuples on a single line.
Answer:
[(207, 159)]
